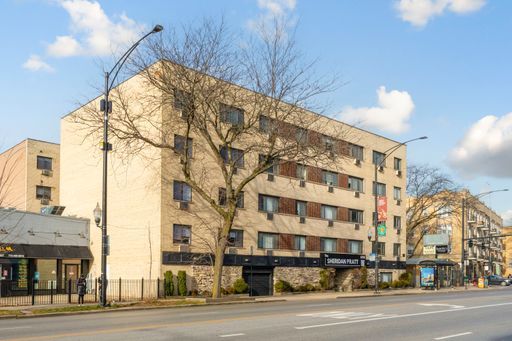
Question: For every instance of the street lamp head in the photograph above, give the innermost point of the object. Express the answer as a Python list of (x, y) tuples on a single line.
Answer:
[(157, 28), (97, 214), (423, 137)]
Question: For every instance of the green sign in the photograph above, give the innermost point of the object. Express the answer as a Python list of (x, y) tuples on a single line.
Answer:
[(381, 230)]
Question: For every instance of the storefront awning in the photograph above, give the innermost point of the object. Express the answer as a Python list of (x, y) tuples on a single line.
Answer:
[(430, 261), (45, 251)]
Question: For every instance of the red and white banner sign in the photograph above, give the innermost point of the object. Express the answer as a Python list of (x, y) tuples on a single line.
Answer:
[(382, 209)]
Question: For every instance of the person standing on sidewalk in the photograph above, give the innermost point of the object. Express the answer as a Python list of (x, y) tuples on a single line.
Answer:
[(81, 285)]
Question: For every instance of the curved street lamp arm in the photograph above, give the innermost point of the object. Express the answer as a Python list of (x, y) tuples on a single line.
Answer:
[(392, 149)]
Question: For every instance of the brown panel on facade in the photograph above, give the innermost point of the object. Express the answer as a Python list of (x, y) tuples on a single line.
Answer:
[(314, 138), (286, 241), (313, 209), (342, 246), (343, 180), (343, 148), (343, 213), (287, 205), (312, 243), (288, 168), (286, 130), (314, 174)]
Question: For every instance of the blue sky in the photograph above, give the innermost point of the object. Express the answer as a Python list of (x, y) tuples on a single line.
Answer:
[(412, 67)]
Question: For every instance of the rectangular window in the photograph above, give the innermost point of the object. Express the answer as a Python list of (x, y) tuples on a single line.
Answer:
[(397, 222), (300, 208), (397, 193), (299, 243), (355, 216), (222, 198), (328, 244), (236, 238), (236, 156), (181, 234), (356, 151), (179, 145), (328, 143), (301, 171), (268, 240), (231, 114), (397, 164), (355, 246), (183, 101), (274, 164), (386, 277), (381, 248), (44, 162), (378, 157), (355, 184), (301, 135), (328, 212), (182, 191), (397, 249), (43, 192), (265, 124), (330, 178), (381, 189), (268, 203)]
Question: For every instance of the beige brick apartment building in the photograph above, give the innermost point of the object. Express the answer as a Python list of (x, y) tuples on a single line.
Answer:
[(289, 218), (29, 175)]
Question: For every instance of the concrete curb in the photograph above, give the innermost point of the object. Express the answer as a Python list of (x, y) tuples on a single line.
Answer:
[(132, 308), (430, 292)]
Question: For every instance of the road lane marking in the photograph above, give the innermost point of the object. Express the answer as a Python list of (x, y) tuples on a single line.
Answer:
[(231, 335), (387, 317), (441, 305), (317, 305), (454, 335), (20, 327)]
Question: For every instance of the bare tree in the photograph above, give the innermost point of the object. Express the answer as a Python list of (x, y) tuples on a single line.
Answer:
[(432, 196), (243, 105), (10, 160)]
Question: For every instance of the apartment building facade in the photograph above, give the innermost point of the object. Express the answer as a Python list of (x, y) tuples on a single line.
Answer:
[(507, 241), (292, 221), (29, 175)]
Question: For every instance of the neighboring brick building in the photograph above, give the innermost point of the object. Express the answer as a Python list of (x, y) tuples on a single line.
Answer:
[(29, 175), (288, 217)]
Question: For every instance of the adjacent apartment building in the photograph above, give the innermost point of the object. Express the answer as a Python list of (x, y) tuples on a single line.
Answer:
[(290, 219), (29, 175)]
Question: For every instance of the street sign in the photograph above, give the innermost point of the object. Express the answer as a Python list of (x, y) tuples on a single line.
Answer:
[(372, 257)]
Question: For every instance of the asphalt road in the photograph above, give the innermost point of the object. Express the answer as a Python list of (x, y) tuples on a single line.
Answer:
[(475, 315)]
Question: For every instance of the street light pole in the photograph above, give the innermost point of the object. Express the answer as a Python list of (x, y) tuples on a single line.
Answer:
[(106, 107), (376, 218)]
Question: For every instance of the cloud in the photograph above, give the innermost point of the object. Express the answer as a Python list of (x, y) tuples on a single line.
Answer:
[(93, 32), (486, 148), (507, 218), (391, 115), (277, 7), (419, 12), (35, 63), (280, 10)]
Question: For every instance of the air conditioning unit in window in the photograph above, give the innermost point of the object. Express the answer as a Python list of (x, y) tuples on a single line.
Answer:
[(183, 205), (380, 168), (356, 226), (398, 231), (330, 223), (356, 194), (331, 189), (270, 177), (398, 172), (302, 183), (398, 202), (184, 248), (45, 201), (232, 251), (302, 220), (357, 162), (302, 254), (46, 172), (269, 253), (270, 216)]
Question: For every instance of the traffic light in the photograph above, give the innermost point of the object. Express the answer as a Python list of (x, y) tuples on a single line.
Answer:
[(470, 243)]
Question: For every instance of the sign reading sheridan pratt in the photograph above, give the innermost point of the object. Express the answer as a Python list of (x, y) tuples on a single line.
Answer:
[(342, 260)]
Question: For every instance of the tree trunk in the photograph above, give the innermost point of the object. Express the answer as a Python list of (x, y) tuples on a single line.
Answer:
[(219, 256)]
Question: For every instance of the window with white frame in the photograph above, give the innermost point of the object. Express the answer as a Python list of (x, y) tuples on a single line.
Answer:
[(299, 243), (329, 178), (328, 244), (397, 163), (355, 246), (301, 208), (397, 247), (397, 193), (355, 216), (268, 203), (355, 184), (397, 222), (268, 240), (328, 212)]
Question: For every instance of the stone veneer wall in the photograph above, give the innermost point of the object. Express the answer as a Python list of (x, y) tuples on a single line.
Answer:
[(297, 276), (202, 276)]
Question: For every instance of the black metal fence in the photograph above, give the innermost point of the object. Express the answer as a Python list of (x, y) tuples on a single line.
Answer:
[(33, 292)]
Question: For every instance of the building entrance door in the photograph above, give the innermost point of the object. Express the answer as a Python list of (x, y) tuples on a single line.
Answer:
[(259, 280)]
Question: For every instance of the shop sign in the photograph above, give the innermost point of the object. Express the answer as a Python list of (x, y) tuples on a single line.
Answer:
[(382, 208), (339, 260), (429, 249), (441, 249), (9, 251)]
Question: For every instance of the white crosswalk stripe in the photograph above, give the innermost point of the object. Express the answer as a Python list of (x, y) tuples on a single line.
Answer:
[(349, 315)]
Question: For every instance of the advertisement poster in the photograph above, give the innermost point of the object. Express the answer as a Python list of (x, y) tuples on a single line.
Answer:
[(381, 229), (382, 209), (427, 277)]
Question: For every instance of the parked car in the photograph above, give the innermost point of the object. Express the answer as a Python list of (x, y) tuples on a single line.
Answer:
[(498, 280)]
